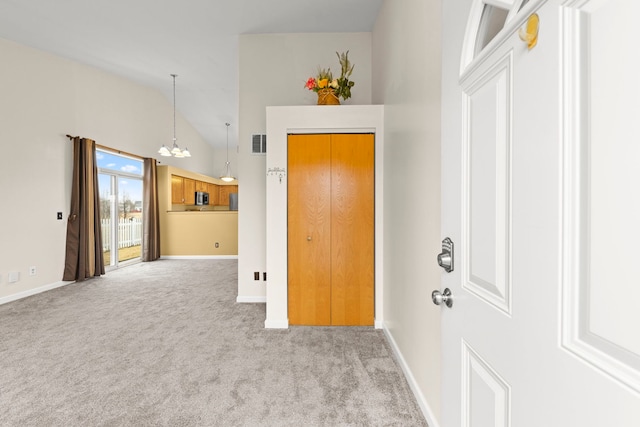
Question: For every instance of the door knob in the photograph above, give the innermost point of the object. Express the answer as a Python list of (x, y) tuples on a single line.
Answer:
[(309, 238), (445, 297)]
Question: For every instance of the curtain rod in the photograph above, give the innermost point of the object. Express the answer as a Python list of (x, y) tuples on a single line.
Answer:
[(104, 147)]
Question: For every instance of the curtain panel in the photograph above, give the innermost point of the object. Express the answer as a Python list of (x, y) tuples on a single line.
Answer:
[(150, 218), (84, 257)]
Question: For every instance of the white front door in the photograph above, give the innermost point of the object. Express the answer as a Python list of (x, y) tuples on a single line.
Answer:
[(540, 170)]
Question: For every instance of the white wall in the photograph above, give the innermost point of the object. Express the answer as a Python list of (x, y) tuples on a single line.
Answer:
[(273, 71), (42, 98), (406, 75)]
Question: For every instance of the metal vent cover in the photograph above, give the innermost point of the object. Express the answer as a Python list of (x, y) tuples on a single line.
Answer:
[(258, 144)]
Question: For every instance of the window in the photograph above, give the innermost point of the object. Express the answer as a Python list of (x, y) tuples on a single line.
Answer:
[(492, 21), (486, 20), (120, 186)]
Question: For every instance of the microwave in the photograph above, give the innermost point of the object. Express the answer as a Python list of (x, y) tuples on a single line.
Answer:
[(202, 198)]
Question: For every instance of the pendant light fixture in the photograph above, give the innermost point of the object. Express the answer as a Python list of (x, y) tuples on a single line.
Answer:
[(227, 177), (175, 150)]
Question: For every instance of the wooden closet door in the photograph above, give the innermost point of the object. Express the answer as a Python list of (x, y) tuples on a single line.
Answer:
[(309, 234), (352, 229)]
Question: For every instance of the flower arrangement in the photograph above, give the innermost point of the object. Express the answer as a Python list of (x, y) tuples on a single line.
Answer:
[(340, 87)]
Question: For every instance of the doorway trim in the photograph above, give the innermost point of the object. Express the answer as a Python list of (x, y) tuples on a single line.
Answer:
[(282, 121)]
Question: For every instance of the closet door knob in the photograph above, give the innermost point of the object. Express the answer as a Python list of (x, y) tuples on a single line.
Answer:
[(308, 238)]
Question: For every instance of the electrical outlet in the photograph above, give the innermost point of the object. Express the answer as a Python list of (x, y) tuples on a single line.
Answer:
[(14, 276), (32, 270), (59, 215), (256, 275), (217, 245)]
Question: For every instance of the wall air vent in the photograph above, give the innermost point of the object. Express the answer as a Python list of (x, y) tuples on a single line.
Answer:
[(258, 144)]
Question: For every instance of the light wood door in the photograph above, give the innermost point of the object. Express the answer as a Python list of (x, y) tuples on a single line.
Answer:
[(331, 237), (309, 229), (352, 225)]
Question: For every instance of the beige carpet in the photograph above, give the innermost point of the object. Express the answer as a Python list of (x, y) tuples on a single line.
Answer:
[(165, 344)]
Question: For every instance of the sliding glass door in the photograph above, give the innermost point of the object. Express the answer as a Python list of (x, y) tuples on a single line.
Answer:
[(120, 183)]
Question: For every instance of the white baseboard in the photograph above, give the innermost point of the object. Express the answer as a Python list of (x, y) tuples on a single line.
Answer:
[(378, 324), (250, 299), (276, 324), (34, 291), (199, 257), (413, 384)]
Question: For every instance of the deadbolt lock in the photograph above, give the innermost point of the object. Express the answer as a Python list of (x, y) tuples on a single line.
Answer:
[(445, 258)]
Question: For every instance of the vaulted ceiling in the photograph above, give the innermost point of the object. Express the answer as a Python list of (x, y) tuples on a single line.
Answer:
[(147, 40)]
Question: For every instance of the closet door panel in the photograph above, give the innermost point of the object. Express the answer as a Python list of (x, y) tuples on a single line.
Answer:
[(352, 229), (309, 236)]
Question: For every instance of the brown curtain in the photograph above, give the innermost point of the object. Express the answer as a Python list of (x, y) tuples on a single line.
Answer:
[(150, 217), (84, 258)]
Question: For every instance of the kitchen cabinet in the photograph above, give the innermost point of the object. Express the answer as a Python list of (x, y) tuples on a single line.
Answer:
[(225, 190), (214, 194), (183, 190), (189, 186), (177, 190), (202, 186)]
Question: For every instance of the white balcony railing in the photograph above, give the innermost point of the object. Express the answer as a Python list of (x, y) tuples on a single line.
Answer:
[(129, 232)]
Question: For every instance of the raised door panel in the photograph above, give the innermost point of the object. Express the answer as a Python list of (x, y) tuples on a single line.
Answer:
[(488, 186), (602, 207), (309, 234), (352, 225), (189, 191), (486, 397), (177, 191)]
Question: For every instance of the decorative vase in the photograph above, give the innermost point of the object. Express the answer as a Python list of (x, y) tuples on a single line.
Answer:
[(327, 96)]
